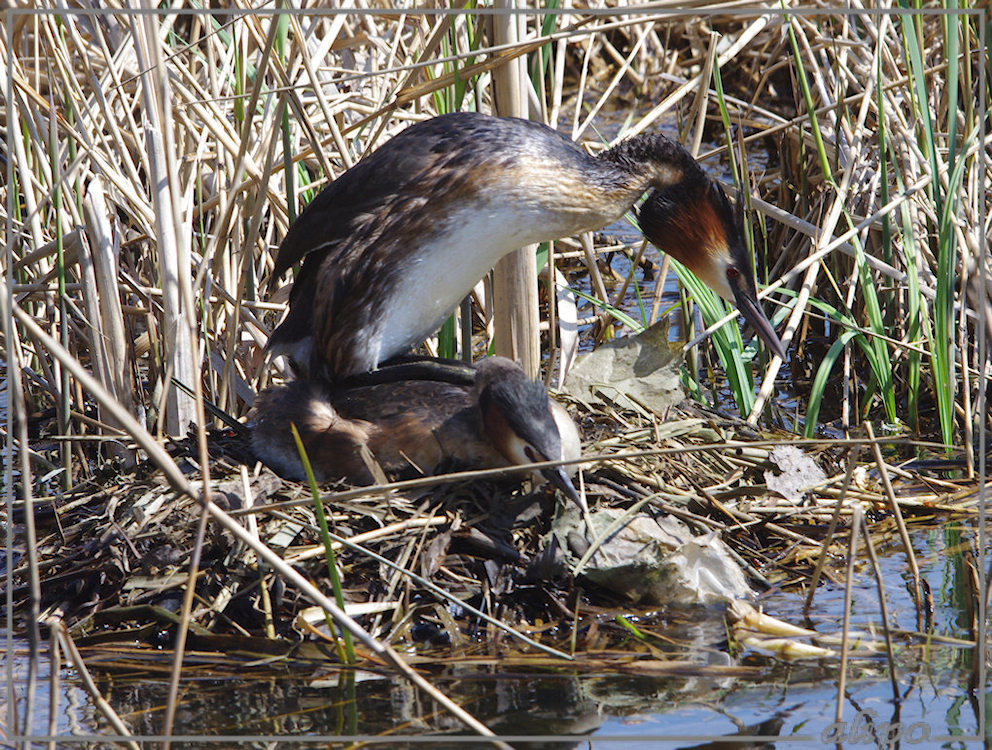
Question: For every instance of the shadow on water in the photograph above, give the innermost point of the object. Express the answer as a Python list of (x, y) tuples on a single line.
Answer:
[(780, 703)]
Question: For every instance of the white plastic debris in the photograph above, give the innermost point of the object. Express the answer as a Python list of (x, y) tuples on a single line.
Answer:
[(654, 560), (797, 472)]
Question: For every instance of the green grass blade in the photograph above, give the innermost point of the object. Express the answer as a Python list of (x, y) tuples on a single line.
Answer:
[(814, 125), (881, 363), (943, 308), (447, 338), (820, 381), (912, 34), (614, 312), (726, 339), (348, 656)]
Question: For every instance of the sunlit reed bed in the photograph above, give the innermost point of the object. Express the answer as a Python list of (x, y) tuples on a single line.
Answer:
[(143, 212)]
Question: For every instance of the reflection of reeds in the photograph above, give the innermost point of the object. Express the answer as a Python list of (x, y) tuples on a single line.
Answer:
[(143, 210)]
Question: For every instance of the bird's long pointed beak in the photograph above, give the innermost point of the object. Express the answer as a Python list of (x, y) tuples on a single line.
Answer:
[(747, 303), (557, 476)]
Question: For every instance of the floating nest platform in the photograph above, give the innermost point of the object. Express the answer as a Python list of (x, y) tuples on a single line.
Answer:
[(424, 557)]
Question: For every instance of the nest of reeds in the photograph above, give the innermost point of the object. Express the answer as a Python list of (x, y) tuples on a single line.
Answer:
[(114, 557)]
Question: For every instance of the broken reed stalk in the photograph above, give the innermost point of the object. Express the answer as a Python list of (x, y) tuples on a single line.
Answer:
[(78, 663), (54, 684), (182, 628), (252, 523), (102, 246), (852, 454), (884, 608), (890, 495), (852, 552)]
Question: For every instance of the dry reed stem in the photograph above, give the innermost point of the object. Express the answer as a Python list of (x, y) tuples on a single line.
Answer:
[(514, 281), (884, 609), (828, 540), (69, 648), (852, 550), (890, 495)]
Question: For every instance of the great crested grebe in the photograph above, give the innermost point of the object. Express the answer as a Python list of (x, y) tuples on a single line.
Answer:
[(416, 427), (391, 246)]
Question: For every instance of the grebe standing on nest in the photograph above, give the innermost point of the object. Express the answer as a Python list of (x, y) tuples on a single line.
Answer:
[(393, 244)]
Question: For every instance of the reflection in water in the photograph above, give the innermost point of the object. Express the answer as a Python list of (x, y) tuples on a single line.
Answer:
[(614, 710), (794, 703)]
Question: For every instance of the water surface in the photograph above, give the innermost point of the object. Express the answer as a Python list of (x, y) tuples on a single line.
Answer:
[(789, 705)]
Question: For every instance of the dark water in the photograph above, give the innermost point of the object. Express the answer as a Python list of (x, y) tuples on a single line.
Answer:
[(789, 705)]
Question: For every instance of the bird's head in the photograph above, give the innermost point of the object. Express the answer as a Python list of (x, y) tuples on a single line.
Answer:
[(696, 224), (523, 423)]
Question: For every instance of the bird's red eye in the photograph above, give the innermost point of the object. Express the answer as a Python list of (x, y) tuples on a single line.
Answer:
[(732, 272)]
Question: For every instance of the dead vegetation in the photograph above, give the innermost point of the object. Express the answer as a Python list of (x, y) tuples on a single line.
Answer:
[(156, 161)]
